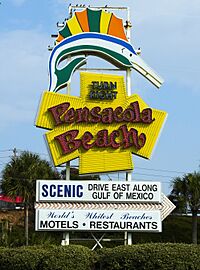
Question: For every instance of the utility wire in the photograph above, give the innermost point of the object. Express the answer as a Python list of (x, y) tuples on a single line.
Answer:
[(15, 151), (159, 170), (116, 177), (155, 175)]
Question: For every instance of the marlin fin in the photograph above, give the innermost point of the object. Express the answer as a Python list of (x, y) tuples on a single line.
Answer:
[(64, 75)]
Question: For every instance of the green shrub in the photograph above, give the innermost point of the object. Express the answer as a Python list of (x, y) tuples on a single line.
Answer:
[(68, 258), (140, 257), (47, 257), (150, 257), (20, 258)]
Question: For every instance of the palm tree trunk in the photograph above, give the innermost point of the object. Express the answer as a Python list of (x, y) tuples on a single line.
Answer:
[(26, 208), (194, 227)]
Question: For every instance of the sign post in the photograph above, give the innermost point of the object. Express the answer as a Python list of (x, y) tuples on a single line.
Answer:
[(102, 128), (128, 236)]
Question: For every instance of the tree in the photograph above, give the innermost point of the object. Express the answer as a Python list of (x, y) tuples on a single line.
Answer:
[(19, 178), (74, 175), (186, 191)]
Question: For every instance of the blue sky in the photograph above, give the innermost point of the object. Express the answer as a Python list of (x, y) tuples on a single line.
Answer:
[(168, 33)]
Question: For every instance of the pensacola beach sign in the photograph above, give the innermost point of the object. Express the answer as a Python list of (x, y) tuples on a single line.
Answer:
[(103, 124), (102, 127)]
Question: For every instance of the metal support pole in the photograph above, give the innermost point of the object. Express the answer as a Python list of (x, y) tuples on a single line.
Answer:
[(128, 236), (97, 241), (75, 7), (65, 241)]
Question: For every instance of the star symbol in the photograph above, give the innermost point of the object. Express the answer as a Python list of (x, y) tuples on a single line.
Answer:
[(97, 160)]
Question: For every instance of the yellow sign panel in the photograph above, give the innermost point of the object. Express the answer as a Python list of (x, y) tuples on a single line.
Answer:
[(102, 127)]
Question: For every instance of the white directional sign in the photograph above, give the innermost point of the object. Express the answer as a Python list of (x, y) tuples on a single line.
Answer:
[(100, 205), (97, 220), (97, 191)]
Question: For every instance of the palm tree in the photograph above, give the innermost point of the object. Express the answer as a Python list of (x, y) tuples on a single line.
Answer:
[(74, 175), (19, 178), (186, 190)]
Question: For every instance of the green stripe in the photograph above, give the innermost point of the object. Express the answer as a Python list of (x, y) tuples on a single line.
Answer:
[(94, 17), (65, 32), (63, 75), (108, 54)]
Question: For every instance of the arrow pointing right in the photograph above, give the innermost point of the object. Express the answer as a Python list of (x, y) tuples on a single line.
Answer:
[(165, 207)]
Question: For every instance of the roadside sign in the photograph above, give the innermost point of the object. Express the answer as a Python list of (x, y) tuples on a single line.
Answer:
[(102, 127), (97, 220), (85, 216), (95, 191)]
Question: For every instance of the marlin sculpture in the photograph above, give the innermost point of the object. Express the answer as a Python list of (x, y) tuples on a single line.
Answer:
[(114, 49)]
